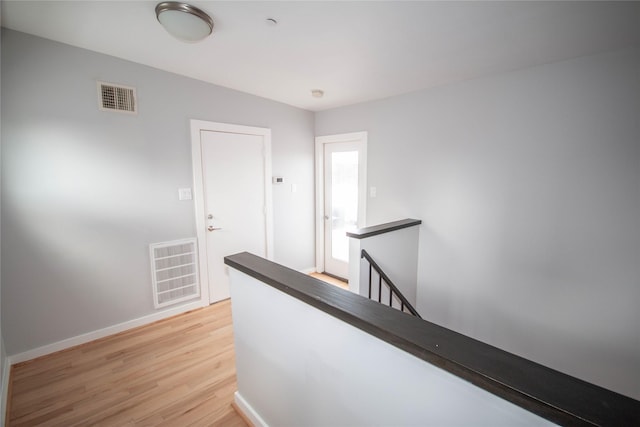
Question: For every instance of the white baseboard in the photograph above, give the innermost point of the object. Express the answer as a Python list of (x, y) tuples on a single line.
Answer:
[(248, 411), (6, 370), (309, 270), (101, 333)]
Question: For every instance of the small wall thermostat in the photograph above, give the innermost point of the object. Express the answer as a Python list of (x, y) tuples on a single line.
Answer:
[(278, 180), (184, 194)]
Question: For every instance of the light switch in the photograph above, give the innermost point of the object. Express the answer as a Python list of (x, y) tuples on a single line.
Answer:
[(294, 188), (184, 194), (373, 192)]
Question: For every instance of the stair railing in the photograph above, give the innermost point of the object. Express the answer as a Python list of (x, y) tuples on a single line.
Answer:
[(393, 289)]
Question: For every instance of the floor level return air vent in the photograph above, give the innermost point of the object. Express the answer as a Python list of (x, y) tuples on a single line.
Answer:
[(117, 98), (174, 272)]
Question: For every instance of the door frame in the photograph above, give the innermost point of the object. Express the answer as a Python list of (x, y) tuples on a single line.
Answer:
[(197, 127), (359, 138)]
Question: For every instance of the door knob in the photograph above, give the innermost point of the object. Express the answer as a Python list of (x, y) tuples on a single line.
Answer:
[(212, 228)]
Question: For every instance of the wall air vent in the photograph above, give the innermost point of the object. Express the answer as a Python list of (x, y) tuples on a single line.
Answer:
[(174, 272), (117, 98)]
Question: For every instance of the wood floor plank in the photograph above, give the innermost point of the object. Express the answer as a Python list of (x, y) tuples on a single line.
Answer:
[(175, 372), (330, 280)]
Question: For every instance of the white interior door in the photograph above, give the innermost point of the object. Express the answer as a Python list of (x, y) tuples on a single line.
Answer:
[(235, 202), (341, 200)]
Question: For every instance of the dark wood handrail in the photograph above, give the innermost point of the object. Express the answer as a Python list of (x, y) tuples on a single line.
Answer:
[(393, 289), (376, 230)]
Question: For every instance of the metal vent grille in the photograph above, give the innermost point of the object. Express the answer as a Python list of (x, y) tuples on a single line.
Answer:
[(117, 98), (174, 271)]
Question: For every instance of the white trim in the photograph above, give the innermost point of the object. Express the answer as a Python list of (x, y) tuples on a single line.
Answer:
[(6, 371), (319, 205), (197, 126), (248, 411), (354, 137), (101, 333)]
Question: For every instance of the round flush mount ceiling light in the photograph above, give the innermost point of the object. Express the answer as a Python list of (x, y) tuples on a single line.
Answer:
[(317, 93), (183, 21)]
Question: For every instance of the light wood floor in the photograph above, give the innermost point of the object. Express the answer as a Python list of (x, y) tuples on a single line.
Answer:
[(176, 372), (330, 280)]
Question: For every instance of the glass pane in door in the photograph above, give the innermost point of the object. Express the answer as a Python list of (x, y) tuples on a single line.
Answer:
[(344, 201)]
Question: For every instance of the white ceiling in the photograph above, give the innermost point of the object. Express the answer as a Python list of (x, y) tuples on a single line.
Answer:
[(354, 51)]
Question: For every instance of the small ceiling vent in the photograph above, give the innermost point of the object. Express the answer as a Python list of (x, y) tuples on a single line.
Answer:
[(117, 98)]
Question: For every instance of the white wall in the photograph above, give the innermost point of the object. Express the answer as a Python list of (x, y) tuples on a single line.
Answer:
[(528, 186), (84, 191), (291, 377)]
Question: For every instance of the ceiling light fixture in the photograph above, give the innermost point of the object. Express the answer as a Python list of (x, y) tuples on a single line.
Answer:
[(317, 93), (183, 21)]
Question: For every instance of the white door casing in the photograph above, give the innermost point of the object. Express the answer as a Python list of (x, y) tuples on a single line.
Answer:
[(233, 203), (357, 140)]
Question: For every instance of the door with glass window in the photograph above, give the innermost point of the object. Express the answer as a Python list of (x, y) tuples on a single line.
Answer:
[(341, 184)]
